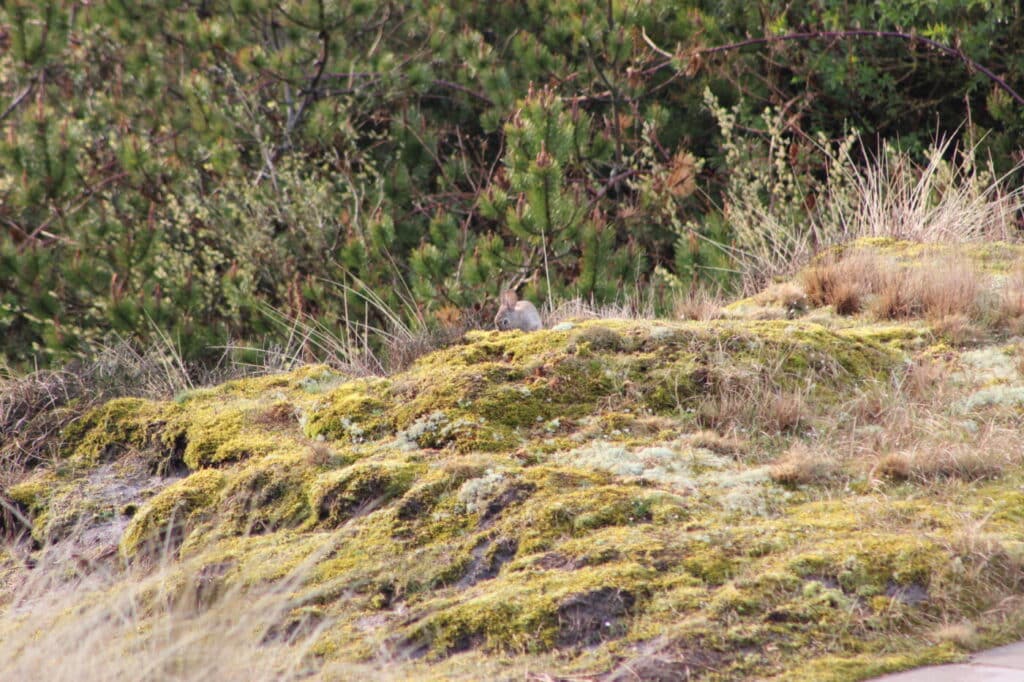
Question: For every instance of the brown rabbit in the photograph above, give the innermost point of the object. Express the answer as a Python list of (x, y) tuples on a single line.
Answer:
[(516, 314)]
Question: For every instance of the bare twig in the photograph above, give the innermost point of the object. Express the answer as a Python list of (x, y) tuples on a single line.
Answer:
[(462, 88), (310, 93), (19, 98)]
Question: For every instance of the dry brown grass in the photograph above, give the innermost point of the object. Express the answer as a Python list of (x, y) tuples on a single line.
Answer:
[(750, 404), (911, 428), (803, 465), (991, 571), (35, 407), (935, 289), (321, 454), (382, 341), (782, 412), (906, 428), (68, 620), (1008, 313), (785, 295), (949, 286), (949, 197), (844, 281), (948, 291), (935, 201), (700, 305), (958, 329), (846, 299), (721, 412), (872, 406), (33, 410), (924, 380), (575, 309), (717, 443), (963, 634), (937, 461), (893, 301), (948, 297)]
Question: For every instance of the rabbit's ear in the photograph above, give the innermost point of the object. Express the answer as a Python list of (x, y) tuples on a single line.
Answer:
[(508, 298)]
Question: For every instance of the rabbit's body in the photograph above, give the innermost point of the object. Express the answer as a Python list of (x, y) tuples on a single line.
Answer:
[(516, 314)]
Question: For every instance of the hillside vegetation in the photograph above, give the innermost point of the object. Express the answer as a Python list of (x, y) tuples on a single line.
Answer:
[(823, 481), (256, 422), (171, 170)]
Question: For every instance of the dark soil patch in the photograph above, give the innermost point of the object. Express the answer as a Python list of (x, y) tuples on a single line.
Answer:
[(558, 561), (663, 661), (171, 460), (912, 594), (487, 559), (593, 617), (277, 415), (11, 515), (298, 625), (510, 496)]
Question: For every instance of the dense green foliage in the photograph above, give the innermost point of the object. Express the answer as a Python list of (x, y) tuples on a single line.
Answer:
[(173, 167)]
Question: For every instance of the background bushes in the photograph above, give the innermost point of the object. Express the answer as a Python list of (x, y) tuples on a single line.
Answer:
[(170, 170)]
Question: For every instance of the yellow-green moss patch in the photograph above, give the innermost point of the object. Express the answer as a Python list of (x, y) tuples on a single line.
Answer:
[(173, 511), (360, 488)]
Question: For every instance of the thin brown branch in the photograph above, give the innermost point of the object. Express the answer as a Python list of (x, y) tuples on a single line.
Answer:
[(19, 98), (462, 88), (310, 91)]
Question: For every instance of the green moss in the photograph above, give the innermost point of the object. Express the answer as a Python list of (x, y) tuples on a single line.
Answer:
[(728, 600), (173, 510), (439, 505), (355, 412), (995, 257), (207, 430), (338, 495), (238, 448), (267, 495), (516, 617), (514, 406), (34, 493), (109, 430), (492, 394), (600, 338), (497, 346), (837, 668), (459, 431)]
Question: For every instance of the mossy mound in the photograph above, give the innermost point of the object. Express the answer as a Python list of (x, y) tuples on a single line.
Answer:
[(595, 500)]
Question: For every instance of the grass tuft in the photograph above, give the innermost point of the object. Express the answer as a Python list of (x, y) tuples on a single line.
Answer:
[(802, 465)]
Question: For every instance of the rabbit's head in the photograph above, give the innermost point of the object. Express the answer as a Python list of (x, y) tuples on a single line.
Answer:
[(516, 314)]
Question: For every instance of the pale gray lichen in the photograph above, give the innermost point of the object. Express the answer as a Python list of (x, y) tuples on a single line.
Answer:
[(986, 366), (476, 493), (994, 396)]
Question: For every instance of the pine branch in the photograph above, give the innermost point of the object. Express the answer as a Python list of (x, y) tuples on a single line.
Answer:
[(954, 52)]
